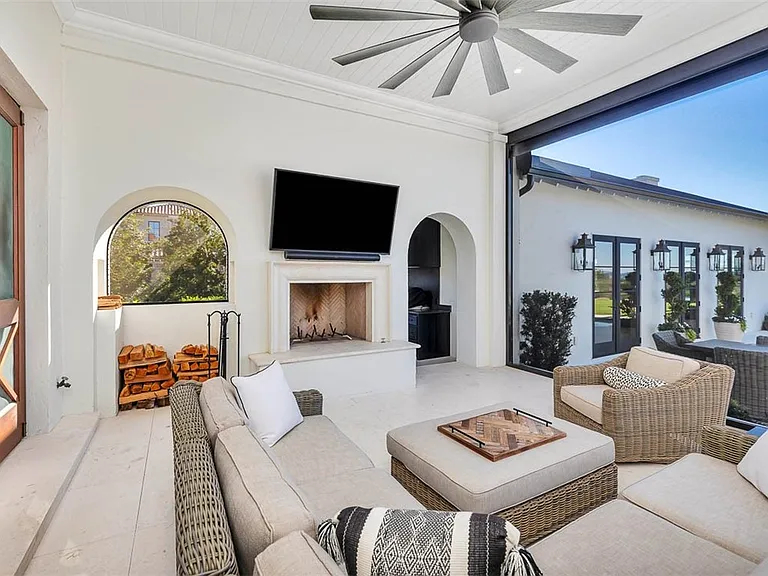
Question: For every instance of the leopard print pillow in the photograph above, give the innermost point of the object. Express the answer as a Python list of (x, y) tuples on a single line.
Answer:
[(622, 379)]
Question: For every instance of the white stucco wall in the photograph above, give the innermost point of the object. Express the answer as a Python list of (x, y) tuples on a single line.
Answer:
[(131, 127), (30, 70), (553, 216)]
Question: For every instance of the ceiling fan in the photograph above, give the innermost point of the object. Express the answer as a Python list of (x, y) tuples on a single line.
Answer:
[(480, 22)]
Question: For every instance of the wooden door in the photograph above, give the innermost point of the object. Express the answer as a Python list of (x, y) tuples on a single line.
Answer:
[(12, 360)]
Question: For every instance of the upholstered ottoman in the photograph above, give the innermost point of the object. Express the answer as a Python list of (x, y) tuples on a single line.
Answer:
[(539, 490)]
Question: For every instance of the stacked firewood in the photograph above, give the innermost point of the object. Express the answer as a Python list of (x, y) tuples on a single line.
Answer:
[(146, 373), (196, 362)]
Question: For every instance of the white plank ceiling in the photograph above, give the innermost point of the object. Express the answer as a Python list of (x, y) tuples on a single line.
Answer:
[(284, 32)]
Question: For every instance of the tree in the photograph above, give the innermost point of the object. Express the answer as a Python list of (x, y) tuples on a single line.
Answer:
[(194, 262), (675, 305), (130, 265)]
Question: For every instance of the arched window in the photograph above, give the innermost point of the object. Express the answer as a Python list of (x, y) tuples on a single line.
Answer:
[(166, 253)]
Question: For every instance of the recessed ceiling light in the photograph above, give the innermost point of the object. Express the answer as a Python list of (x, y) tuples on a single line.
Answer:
[(518, 71)]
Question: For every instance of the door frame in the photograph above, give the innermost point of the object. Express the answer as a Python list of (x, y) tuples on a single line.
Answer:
[(13, 422)]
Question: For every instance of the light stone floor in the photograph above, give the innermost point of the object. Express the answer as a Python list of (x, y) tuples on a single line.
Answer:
[(117, 516)]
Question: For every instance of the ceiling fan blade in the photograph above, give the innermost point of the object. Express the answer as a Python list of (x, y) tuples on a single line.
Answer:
[(455, 5), (492, 67), (320, 12), (488, 4), (534, 48), (377, 49), (514, 7), (474, 3), (608, 24), (411, 69), (451, 74)]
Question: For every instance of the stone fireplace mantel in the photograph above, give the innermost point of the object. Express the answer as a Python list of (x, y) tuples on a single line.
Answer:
[(376, 276)]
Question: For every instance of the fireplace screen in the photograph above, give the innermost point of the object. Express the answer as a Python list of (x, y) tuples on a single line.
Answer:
[(328, 311)]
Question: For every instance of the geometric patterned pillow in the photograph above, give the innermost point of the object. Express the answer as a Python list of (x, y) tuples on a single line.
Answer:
[(379, 541), (622, 379)]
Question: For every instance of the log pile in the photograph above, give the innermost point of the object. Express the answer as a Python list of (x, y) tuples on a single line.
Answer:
[(196, 362), (146, 375), (110, 302)]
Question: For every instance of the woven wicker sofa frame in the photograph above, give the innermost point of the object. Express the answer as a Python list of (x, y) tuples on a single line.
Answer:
[(203, 539), (651, 424)]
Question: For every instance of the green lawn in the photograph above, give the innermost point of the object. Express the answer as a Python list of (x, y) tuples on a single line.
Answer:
[(603, 307)]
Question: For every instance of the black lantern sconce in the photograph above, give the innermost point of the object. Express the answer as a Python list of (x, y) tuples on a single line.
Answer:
[(583, 252), (757, 260), (661, 257), (738, 262), (716, 258)]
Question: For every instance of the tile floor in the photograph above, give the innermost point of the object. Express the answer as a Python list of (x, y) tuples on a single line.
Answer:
[(117, 516)]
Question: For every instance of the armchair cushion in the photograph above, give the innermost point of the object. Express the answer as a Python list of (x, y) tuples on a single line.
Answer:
[(754, 465), (588, 400), (660, 365)]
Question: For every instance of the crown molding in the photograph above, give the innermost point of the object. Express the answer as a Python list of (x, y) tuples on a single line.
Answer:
[(65, 10), (696, 45), (106, 36)]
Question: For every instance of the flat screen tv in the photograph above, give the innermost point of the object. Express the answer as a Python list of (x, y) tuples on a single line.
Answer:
[(327, 214)]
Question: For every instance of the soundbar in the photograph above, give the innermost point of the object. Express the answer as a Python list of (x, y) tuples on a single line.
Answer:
[(320, 255)]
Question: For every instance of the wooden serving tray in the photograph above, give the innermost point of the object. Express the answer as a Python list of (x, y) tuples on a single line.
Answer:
[(503, 433)]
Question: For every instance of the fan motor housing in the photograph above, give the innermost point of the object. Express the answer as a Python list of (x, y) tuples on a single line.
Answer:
[(478, 25)]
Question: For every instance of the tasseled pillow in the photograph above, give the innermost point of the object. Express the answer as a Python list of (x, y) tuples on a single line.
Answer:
[(373, 541)]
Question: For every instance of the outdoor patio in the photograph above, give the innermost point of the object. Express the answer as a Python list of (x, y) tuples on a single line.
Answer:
[(94, 531)]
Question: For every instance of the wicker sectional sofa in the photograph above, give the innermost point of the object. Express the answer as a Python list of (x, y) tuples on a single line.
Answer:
[(242, 508)]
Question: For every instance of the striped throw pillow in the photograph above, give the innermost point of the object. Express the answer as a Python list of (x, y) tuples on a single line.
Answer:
[(375, 541)]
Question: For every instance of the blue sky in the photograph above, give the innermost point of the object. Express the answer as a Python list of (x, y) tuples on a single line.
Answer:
[(714, 144)]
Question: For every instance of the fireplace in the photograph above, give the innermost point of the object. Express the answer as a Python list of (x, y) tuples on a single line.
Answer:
[(327, 311)]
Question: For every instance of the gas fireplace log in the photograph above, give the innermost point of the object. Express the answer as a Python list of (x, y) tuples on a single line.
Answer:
[(167, 384), (129, 374), (126, 391), (164, 370), (149, 351), (152, 368), (155, 387), (137, 353), (136, 388)]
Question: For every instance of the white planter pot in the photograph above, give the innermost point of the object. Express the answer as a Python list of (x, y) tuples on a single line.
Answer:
[(728, 331)]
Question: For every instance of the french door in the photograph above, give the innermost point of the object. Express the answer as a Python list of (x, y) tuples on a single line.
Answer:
[(684, 259), (616, 295), (12, 361)]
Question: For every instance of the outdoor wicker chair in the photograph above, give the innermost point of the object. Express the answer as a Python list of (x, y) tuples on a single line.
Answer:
[(761, 341), (667, 341), (651, 424), (750, 387)]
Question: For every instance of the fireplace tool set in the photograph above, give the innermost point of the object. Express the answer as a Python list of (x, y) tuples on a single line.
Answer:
[(224, 338)]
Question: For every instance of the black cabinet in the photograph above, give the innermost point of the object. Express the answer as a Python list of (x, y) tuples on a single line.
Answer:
[(424, 248), (432, 330)]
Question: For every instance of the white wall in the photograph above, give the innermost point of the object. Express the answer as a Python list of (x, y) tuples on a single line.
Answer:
[(130, 126), (448, 280), (30, 70), (552, 217)]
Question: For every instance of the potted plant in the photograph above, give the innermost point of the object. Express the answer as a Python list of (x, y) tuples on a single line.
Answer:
[(675, 306), (729, 323)]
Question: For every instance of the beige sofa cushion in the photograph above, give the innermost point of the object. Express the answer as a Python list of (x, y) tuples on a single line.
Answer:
[(261, 503), (587, 400), (660, 365), (619, 539), (316, 448), (295, 554), (709, 498), (473, 483), (369, 488), (218, 403), (762, 569)]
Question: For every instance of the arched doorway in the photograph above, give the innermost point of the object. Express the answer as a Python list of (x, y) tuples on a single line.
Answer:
[(441, 290)]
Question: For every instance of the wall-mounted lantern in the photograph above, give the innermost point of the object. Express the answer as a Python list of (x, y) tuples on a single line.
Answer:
[(757, 260), (661, 257), (716, 258), (583, 252)]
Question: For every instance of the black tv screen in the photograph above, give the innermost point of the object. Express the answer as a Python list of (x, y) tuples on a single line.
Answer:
[(324, 213)]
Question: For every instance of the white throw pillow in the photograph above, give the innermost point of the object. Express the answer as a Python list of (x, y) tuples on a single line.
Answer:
[(622, 379), (268, 403), (754, 465)]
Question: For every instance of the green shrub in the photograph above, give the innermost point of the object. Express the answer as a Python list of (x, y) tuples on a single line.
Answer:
[(546, 328)]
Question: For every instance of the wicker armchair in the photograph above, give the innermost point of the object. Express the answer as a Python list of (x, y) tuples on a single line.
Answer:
[(750, 387), (651, 424), (203, 538), (666, 341), (761, 340), (724, 443)]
